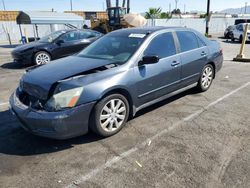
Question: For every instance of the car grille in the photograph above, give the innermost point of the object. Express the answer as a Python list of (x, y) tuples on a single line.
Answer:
[(31, 101)]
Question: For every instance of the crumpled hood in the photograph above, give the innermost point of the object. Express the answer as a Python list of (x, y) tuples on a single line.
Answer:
[(43, 77)]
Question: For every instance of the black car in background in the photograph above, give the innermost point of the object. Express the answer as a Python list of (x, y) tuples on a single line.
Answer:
[(55, 45)]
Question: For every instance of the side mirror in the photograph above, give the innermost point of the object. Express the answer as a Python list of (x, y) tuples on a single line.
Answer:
[(59, 42), (149, 60)]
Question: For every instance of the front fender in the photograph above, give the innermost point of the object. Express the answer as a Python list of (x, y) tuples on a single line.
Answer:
[(98, 89)]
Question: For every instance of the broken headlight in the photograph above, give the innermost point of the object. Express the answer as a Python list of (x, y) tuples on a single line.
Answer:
[(64, 99)]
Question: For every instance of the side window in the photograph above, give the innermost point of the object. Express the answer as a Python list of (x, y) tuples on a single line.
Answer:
[(200, 42), (162, 45), (187, 40), (239, 27), (70, 36)]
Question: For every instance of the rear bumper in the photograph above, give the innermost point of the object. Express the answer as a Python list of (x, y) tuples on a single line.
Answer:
[(57, 125)]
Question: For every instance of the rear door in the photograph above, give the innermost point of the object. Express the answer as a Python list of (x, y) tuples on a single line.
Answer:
[(193, 54), (156, 80)]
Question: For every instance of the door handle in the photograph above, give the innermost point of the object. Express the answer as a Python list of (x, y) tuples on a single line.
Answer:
[(175, 63), (203, 53)]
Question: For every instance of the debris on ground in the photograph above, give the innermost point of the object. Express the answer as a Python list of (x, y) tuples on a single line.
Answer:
[(138, 164), (75, 183), (149, 142)]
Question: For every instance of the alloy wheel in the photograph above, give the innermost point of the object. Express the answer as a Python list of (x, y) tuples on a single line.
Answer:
[(42, 58), (207, 77), (113, 115)]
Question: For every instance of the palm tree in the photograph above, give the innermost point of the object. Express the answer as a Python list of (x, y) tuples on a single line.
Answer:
[(153, 13)]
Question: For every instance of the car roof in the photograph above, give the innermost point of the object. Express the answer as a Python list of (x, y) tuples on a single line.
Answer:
[(144, 30)]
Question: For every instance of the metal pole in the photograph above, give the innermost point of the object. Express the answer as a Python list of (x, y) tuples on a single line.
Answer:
[(71, 5), (128, 6), (176, 4), (245, 7), (20, 30), (4, 8), (242, 48), (207, 20)]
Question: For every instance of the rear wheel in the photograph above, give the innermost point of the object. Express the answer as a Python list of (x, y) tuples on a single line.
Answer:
[(110, 115), (42, 57), (241, 39), (206, 78)]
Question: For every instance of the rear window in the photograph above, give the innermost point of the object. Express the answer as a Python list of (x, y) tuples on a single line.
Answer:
[(188, 40)]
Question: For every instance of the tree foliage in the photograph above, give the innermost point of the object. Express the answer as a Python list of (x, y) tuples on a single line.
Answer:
[(165, 15), (176, 11), (153, 13)]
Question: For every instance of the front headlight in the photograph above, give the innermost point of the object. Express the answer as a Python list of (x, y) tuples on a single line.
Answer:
[(64, 99), (20, 86)]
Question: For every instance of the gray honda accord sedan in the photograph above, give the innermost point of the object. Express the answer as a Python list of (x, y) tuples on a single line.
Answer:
[(113, 78)]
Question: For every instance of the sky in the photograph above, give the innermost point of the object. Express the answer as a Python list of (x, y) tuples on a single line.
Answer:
[(136, 5)]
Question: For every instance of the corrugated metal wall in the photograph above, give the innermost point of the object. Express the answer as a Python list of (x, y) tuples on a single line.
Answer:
[(217, 26)]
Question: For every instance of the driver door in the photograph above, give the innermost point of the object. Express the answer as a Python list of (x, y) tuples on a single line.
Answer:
[(156, 80), (69, 45)]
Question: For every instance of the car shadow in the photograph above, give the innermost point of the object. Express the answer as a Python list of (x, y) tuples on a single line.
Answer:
[(15, 141), (13, 66), (228, 41)]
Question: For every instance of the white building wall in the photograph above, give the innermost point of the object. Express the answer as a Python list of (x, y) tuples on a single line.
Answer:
[(217, 25)]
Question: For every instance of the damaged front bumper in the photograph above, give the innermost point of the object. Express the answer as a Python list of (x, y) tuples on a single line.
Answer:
[(57, 125)]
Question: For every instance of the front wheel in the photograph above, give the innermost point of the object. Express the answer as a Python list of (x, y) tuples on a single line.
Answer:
[(232, 38), (110, 115), (206, 78), (41, 58)]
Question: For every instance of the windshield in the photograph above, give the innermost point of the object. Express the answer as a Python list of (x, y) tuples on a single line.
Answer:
[(115, 48), (51, 37)]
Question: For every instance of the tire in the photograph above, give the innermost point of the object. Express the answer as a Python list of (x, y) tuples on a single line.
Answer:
[(105, 119), (240, 39), (41, 58), (232, 38), (206, 78)]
